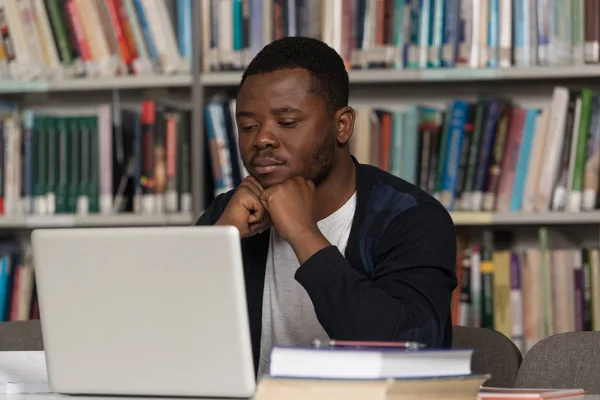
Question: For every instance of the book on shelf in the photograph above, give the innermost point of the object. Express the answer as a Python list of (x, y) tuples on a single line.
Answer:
[(528, 292), (484, 154), (18, 294), (409, 34), (95, 159), (492, 153), (56, 39), (221, 133)]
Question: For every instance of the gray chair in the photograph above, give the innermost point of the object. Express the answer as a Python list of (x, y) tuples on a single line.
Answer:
[(565, 360), (495, 354), (21, 335)]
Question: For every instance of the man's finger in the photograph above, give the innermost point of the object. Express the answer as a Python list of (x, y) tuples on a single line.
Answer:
[(264, 196), (254, 182), (252, 204), (264, 202), (258, 227), (257, 215), (251, 187)]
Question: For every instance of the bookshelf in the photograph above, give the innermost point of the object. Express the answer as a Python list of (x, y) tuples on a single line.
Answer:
[(513, 260), (215, 71), (110, 54), (86, 71), (463, 81)]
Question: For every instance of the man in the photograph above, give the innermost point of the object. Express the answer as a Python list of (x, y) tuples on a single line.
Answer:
[(331, 248)]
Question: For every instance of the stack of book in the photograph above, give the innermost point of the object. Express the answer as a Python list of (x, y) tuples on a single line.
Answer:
[(385, 371), (357, 372)]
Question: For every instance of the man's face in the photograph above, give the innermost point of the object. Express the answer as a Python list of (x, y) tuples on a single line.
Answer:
[(284, 129)]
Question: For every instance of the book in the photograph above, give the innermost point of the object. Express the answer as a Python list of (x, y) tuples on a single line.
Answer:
[(341, 362), (440, 388), (533, 393)]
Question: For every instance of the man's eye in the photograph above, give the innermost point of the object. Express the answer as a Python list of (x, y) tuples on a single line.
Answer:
[(247, 128), (288, 124)]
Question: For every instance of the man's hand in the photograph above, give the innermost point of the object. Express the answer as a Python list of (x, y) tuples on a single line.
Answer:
[(245, 211), (292, 205)]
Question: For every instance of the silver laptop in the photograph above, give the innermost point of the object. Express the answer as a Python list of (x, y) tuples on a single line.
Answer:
[(144, 311)]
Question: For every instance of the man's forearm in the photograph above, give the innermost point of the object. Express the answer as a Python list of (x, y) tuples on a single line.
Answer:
[(350, 306)]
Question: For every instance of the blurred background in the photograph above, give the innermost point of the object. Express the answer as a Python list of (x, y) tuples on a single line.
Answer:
[(119, 113)]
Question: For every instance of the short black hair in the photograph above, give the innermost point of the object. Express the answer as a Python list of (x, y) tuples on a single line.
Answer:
[(329, 75)]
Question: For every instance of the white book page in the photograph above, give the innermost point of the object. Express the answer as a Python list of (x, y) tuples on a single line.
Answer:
[(23, 369)]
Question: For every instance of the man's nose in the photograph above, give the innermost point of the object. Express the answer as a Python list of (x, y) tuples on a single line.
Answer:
[(265, 138)]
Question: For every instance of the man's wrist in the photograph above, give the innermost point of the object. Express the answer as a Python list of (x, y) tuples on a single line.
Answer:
[(225, 222), (307, 242)]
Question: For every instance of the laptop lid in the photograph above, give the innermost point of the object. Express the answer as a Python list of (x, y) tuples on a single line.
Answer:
[(144, 311)]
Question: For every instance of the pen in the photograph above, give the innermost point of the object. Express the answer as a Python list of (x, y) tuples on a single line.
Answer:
[(353, 343)]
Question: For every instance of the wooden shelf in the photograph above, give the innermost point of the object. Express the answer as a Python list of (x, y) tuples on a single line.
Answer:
[(462, 218), (388, 76), (93, 220), (88, 84)]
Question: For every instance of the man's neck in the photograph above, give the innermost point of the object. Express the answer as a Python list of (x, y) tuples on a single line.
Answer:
[(337, 189)]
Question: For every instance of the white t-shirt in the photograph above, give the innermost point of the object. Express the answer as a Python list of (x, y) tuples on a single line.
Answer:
[(288, 315)]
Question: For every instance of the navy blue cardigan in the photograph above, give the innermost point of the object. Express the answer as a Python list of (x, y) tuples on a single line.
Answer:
[(395, 280)]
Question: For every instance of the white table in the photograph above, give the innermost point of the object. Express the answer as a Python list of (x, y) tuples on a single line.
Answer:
[(67, 397), (62, 397)]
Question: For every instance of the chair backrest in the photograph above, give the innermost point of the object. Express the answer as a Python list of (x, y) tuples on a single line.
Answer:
[(565, 360), (21, 335), (495, 354)]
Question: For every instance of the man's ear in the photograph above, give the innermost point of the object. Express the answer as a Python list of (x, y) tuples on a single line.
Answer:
[(345, 124)]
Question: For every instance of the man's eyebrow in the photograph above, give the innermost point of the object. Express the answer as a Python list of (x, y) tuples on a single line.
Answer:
[(285, 109), (274, 111), (244, 114)]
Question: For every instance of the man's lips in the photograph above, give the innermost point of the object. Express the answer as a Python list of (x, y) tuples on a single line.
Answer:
[(266, 165), (266, 169)]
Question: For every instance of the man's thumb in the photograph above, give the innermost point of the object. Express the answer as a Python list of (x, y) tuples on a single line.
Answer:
[(264, 198)]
